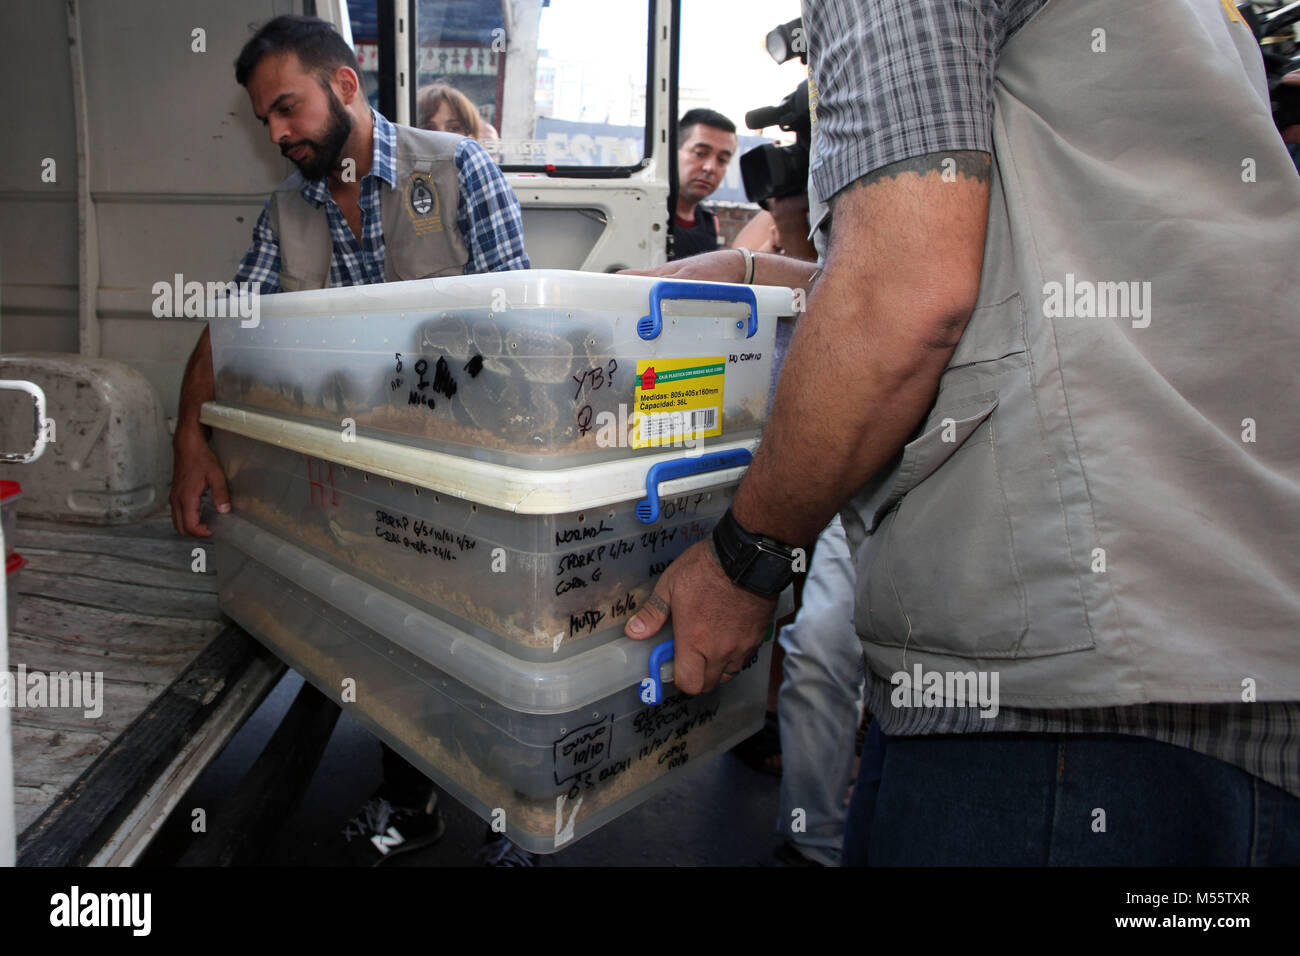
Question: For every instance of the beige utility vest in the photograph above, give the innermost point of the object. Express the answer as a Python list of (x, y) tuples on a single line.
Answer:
[(421, 235), (1103, 505)]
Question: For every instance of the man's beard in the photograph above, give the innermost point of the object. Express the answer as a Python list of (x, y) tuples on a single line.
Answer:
[(325, 154)]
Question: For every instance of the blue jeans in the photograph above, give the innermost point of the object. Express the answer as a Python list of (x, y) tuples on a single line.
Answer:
[(1061, 800)]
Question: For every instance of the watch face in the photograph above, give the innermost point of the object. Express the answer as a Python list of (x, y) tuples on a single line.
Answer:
[(768, 571)]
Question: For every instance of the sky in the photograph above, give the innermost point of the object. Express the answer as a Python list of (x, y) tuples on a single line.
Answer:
[(723, 55)]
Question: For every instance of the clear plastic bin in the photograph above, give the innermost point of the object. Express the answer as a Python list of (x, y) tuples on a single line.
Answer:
[(537, 369), (10, 492), (552, 751), (542, 564)]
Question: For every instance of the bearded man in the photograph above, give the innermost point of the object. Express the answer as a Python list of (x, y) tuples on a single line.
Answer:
[(371, 202)]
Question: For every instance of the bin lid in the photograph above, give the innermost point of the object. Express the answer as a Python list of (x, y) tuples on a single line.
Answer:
[(9, 489), (520, 490), (521, 289)]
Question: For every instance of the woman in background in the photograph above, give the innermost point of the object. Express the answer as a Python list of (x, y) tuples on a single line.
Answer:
[(446, 109)]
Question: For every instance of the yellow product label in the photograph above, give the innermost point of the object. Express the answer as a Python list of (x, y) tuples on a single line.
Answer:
[(678, 400)]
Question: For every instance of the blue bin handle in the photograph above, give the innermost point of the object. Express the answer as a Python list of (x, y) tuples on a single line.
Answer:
[(651, 325), (647, 509), (652, 688)]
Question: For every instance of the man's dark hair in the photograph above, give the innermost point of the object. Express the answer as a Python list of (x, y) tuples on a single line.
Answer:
[(319, 47), (699, 116)]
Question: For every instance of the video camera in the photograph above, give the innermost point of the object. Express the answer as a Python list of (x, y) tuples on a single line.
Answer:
[(783, 170), (769, 170), (779, 170)]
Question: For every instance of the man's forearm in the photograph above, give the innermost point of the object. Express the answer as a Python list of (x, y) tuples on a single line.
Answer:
[(771, 268), (901, 280), (851, 393), (196, 388)]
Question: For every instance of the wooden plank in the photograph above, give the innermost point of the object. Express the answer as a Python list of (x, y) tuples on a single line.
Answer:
[(125, 569), (81, 623), (42, 755), (144, 598), (152, 539), (157, 525), (118, 601), (148, 661), (123, 702), (137, 663), (148, 814), (71, 831), (30, 802), (161, 551)]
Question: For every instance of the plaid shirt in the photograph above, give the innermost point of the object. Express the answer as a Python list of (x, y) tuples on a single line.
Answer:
[(487, 214), (896, 80)]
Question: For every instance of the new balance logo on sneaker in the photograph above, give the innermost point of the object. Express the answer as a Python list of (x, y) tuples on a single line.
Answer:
[(386, 841), (372, 836)]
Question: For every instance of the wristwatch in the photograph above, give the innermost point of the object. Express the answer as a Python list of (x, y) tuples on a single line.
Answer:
[(754, 562)]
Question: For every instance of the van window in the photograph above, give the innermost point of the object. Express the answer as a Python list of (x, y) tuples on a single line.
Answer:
[(554, 84)]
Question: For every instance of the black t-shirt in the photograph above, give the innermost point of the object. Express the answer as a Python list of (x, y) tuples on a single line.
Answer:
[(692, 240)]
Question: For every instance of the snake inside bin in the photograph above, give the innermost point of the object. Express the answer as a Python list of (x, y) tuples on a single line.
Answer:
[(488, 381)]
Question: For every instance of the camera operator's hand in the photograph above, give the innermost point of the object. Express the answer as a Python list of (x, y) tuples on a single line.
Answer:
[(725, 265), (1292, 133), (791, 216), (759, 234)]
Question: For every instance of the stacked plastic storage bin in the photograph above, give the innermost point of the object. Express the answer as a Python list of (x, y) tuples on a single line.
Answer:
[(450, 496)]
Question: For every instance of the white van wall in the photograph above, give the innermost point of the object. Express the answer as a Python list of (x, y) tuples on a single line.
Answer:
[(178, 170)]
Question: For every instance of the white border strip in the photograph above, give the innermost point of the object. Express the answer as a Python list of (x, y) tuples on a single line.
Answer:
[(520, 490)]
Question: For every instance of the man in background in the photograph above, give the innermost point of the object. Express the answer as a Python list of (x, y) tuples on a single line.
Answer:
[(707, 143)]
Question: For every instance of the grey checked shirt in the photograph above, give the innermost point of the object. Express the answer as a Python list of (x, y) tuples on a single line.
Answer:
[(898, 79)]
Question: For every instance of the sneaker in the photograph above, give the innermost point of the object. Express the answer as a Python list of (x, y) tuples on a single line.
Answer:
[(382, 830), (498, 851)]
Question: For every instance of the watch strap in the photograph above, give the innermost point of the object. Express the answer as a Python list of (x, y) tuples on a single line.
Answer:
[(738, 551)]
